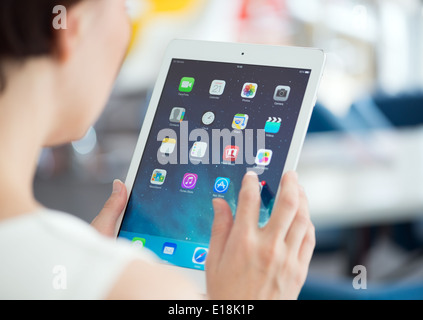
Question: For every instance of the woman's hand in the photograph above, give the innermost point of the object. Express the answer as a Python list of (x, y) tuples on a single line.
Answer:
[(245, 261), (248, 262), (107, 219)]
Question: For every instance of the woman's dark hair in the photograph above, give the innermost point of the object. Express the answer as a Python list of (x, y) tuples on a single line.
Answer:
[(26, 29)]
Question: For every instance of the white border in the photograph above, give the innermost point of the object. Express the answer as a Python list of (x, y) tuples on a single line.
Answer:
[(276, 56)]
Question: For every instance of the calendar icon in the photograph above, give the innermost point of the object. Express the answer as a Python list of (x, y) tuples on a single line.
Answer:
[(217, 87)]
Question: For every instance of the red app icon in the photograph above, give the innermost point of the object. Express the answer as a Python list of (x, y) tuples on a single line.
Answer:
[(230, 153)]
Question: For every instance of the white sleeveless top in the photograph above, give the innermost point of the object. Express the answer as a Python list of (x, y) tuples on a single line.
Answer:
[(53, 255)]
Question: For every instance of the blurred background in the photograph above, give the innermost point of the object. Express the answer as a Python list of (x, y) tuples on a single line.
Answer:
[(362, 162)]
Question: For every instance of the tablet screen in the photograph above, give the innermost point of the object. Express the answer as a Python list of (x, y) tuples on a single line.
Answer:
[(214, 121)]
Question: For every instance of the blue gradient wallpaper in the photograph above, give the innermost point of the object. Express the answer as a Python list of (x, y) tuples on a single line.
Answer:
[(170, 206)]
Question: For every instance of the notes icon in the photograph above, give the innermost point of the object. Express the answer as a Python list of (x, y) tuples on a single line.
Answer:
[(168, 145)]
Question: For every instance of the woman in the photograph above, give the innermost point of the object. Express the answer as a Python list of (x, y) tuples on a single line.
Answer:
[(54, 84)]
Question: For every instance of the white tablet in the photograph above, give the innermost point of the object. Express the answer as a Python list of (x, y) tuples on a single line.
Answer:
[(217, 110)]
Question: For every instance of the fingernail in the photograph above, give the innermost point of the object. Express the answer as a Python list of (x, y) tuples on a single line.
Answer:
[(294, 174), (252, 173), (117, 186), (216, 206)]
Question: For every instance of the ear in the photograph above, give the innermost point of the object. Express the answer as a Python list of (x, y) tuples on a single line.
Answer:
[(67, 32)]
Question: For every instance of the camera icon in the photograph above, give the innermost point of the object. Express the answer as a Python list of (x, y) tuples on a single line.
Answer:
[(281, 93)]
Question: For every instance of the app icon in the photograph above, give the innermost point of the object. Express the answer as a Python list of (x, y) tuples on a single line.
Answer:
[(186, 84), (281, 93), (138, 242), (208, 118), (249, 90), (263, 157), (217, 87), (230, 153), (273, 124), (169, 248), (240, 121), (177, 114), (221, 185), (158, 177), (200, 255), (168, 145), (199, 149), (189, 181)]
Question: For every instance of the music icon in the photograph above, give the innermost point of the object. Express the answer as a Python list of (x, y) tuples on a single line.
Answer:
[(189, 181)]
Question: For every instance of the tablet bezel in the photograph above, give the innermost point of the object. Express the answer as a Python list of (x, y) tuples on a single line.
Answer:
[(262, 55)]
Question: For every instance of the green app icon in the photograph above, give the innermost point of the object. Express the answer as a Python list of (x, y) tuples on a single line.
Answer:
[(186, 84), (138, 242)]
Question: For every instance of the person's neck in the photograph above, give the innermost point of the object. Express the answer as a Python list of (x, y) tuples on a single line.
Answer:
[(23, 107)]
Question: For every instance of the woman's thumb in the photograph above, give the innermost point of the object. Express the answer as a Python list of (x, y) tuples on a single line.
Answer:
[(106, 221)]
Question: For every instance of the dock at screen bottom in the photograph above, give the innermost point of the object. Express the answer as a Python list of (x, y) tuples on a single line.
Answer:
[(180, 253)]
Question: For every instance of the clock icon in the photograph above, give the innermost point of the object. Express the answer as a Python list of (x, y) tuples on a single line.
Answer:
[(208, 118)]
